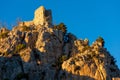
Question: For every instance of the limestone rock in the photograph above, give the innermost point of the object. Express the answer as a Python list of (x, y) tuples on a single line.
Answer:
[(26, 55), (30, 39), (49, 43), (98, 64)]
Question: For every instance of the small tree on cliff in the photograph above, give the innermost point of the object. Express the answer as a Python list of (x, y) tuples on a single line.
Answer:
[(61, 27), (100, 39)]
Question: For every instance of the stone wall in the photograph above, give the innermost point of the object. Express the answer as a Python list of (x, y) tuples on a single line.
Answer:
[(26, 23), (42, 16)]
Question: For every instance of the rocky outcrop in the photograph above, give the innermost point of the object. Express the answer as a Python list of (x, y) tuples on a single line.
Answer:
[(37, 50), (93, 61)]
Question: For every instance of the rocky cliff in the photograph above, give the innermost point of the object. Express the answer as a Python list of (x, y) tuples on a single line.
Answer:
[(39, 50)]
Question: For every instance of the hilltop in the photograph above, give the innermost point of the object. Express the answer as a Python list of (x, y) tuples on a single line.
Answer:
[(40, 50)]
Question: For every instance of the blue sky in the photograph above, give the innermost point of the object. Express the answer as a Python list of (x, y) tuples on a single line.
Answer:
[(84, 18)]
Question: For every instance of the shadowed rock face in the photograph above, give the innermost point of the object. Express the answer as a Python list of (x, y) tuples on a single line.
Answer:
[(36, 51)]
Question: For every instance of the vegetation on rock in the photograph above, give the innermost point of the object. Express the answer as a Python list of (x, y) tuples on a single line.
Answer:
[(100, 39), (4, 35), (25, 28), (19, 47), (61, 27)]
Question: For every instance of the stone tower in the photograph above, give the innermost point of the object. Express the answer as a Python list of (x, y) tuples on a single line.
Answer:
[(42, 16)]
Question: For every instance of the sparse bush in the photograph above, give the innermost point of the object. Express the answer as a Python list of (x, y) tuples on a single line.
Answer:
[(86, 48), (93, 54), (88, 57), (61, 27), (19, 47), (62, 58), (76, 68), (100, 39), (25, 28), (4, 35)]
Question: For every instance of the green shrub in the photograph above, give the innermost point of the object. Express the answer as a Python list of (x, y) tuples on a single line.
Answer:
[(86, 48), (25, 28), (76, 68), (100, 39), (61, 27), (62, 58), (19, 47), (4, 35)]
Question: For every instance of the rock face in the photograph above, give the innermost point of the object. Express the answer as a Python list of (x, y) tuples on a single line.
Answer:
[(38, 50)]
